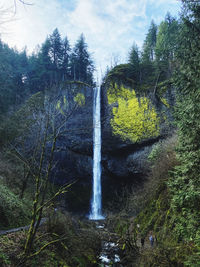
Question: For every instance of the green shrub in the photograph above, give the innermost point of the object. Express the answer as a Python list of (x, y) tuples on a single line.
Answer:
[(13, 211), (155, 152), (4, 259)]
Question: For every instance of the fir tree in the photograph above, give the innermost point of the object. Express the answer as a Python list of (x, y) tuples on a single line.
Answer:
[(81, 63), (185, 185), (150, 43), (134, 61), (166, 45), (66, 59), (56, 54)]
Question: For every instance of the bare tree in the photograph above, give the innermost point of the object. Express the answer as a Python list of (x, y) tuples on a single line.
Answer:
[(36, 152), (7, 14)]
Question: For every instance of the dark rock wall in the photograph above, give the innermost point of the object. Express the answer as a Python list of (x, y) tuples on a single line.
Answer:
[(73, 155), (123, 162)]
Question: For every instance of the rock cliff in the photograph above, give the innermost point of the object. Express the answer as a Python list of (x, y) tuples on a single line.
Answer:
[(131, 124)]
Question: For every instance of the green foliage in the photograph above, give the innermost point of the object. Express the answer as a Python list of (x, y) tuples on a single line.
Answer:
[(167, 213), (164, 101), (153, 65), (13, 77), (122, 74), (18, 124), (150, 43), (134, 61), (81, 64), (4, 259), (14, 212), (155, 209), (159, 218), (157, 215), (76, 248), (78, 244), (80, 99), (62, 105), (166, 44), (133, 118), (184, 185), (53, 63), (156, 150), (173, 212), (56, 49), (134, 56)]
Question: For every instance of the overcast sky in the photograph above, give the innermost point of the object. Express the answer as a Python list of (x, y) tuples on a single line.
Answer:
[(109, 26)]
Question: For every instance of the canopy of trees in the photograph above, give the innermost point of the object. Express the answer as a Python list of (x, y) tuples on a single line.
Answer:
[(154, 64), (53, 63)]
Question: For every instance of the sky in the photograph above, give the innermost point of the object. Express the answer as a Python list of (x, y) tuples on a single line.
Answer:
[(110, 27)]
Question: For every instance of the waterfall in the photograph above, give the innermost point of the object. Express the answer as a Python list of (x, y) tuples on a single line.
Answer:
[(96, 212)]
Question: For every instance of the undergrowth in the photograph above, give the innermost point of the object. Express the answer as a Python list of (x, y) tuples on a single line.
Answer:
[(77, 244), (150, 212), (14, 212), (158, 217)]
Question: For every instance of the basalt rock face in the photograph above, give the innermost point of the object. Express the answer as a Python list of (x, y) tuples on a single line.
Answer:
[(124, 156), (73, 156), (129, 160), (74, 148), (125, 150)]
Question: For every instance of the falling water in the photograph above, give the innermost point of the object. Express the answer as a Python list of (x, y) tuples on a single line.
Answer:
[(96, 213)]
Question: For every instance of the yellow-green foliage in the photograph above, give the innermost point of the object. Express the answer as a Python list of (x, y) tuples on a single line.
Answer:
[(164, 101), (133, 118), (80, 99), (62, 105), (58, 104), (64, 100)]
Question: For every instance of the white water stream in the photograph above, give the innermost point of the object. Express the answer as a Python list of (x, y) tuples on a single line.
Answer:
[(110, 253), (96, 206)]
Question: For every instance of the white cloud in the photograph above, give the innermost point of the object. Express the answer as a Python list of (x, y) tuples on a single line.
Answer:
[(107, 25), (110, 27)]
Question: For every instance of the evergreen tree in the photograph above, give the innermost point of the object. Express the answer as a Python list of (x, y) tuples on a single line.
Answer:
[(22, 88), (134, 61), (56, 54), (54, 63), (21, 75), (13, 73), (150, 43), (66, 59), (33, 74), (166, 45), (81, 63), (148, 55), (45, 66), (185, 186)]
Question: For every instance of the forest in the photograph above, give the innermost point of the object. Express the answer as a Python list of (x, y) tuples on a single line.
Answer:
[(150, 151)]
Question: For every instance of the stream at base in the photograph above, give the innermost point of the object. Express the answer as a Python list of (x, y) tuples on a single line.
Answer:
[(109, 255)]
